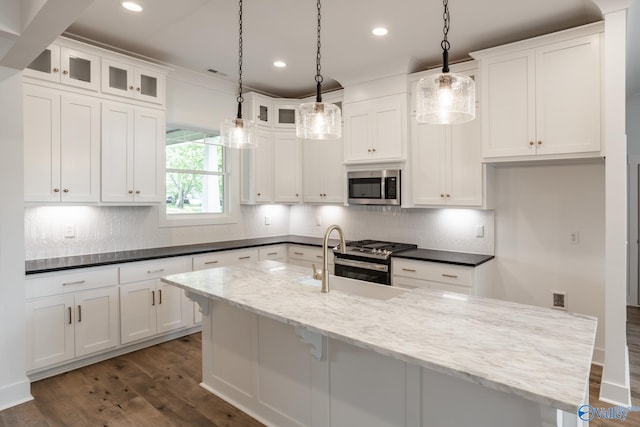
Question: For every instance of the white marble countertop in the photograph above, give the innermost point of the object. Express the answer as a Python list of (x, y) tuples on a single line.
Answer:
[(540, 354)]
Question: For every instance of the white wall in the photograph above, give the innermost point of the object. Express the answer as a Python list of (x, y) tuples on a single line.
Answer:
[(537, 207), (444, 229), (14, 385), (633, 150)]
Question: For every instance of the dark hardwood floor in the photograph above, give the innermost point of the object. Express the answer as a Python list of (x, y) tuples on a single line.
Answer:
[(159, 386)]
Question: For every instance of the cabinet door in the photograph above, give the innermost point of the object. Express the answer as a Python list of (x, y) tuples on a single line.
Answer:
[(79, 69), (46, 66), (357, 131), (137, 310), (285, 116), (333, 176), (509, 105), (568, 96), (387, 130), (96, 326), (257, 173), (41, 144), (428, 163), (149, 85), (50, 331), (173, 308), (464, 161), (286, 166), (117, 152), (313, 170), (117, 78), (148, 155), (80, 148)]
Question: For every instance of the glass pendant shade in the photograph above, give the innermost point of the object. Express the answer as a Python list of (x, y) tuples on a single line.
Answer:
[(318, 120), (237, 133), (446, 98)]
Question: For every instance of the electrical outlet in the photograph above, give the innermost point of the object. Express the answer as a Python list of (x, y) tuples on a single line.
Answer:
[(479, 230), (267, 220), (574, 237), (69, 231), (559, 300)]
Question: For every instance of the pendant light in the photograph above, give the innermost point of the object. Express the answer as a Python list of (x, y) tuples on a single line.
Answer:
[(237, 132), (446, 98), (318, 120)]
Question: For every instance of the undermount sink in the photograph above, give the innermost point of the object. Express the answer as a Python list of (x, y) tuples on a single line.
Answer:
[(355, 287)]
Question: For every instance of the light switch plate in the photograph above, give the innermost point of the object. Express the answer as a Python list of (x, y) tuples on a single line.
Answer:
[(479, 230), (69, 231)]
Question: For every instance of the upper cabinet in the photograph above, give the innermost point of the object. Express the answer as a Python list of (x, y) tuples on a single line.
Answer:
[(541, 97), (125, 79), (61, 146), (69, 66), (323, 176), (375, 129)]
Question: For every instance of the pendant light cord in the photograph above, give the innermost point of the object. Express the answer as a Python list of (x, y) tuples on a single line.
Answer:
[(240, 99), (445, 43), (318, 75)]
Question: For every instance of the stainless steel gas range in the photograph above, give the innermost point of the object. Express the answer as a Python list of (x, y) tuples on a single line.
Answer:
[(368, 260)]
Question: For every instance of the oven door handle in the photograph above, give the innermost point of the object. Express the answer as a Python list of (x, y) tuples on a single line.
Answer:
[(361, 264)]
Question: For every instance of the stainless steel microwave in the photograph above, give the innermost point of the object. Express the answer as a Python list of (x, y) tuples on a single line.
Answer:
[(381, 187)]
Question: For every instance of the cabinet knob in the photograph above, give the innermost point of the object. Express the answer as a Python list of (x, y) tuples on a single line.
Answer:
[(137, 191), (369, 150), (530, 142), (259, 194), (66, 190), (56, 69), (131, 87), (441, 195), (373, 149), (539, 142), (324, 194), (137, 89), (448, 195), (130, 191), (65, 72), (56, 190), (297, 194)]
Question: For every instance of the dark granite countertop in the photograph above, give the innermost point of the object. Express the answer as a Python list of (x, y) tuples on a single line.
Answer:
[(458, 258), (49, 265)]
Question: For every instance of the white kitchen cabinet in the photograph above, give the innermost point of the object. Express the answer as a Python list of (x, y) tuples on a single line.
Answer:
[(222, 258), (446, 163), (257, 170), (285, 116), (70, 315), (61, 146), (286, 168), (66, 65), (541, 98), (132, 153), (259, 109), (323, 175), (374, 130), (308, 256), (132, 81), (408, 273), (273, 252), (148, 306)]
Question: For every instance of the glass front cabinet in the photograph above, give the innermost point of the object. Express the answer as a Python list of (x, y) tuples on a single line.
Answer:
[(123, 79), (68, 66)]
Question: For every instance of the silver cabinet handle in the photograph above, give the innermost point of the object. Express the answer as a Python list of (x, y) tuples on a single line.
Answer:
[(69, 308), (410, 270), (298, 253), (79, 282), (272, 253), (153, 298), (160, 295), (210, 262), (245, 257), (79, 313), (160, 270), (453, 276), (319, 256)]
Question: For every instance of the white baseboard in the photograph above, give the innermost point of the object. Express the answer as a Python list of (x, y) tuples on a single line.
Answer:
[(617, 394), (598, 356), (15, 394)]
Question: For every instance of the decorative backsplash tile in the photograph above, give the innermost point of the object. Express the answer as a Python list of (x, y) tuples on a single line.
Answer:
[(108, 229)]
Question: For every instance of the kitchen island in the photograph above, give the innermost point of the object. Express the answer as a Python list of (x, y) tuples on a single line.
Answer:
[(287, 354)]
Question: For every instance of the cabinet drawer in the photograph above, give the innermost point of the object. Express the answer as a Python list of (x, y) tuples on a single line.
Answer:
[(46, 284), (433, 271), (308, 253), (409, 282), (219, 259), (276, 252), (145, 270), (447, 287)]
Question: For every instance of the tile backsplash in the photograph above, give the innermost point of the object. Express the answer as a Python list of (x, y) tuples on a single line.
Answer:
[(108, 229)]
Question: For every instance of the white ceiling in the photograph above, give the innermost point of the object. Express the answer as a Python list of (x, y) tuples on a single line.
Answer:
[(203, 34)]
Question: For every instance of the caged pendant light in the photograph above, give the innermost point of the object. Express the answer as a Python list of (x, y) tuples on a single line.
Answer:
[(318, 120), (446, 98), (237, 132)]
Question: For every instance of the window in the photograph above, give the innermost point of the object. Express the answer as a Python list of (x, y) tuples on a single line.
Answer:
[(196, 179)]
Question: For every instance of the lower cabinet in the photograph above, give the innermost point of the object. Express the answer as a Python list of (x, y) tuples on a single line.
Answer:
[(148, 306), (461, 279), (308, 256), (274, 253), (64, 322)]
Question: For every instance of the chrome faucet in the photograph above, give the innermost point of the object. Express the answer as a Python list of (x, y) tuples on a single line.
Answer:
[(324, 275)]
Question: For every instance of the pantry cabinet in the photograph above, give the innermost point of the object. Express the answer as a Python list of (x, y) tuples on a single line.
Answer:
[(131, 81), (61, 146), (132, 153), (286, 168), (323, 175), (148, 306), (374, 129), (66, 65), (541, 98)]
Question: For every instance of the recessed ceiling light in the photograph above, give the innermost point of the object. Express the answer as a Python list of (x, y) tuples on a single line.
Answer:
[(134, 7), (279, 64), (380, 31)]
